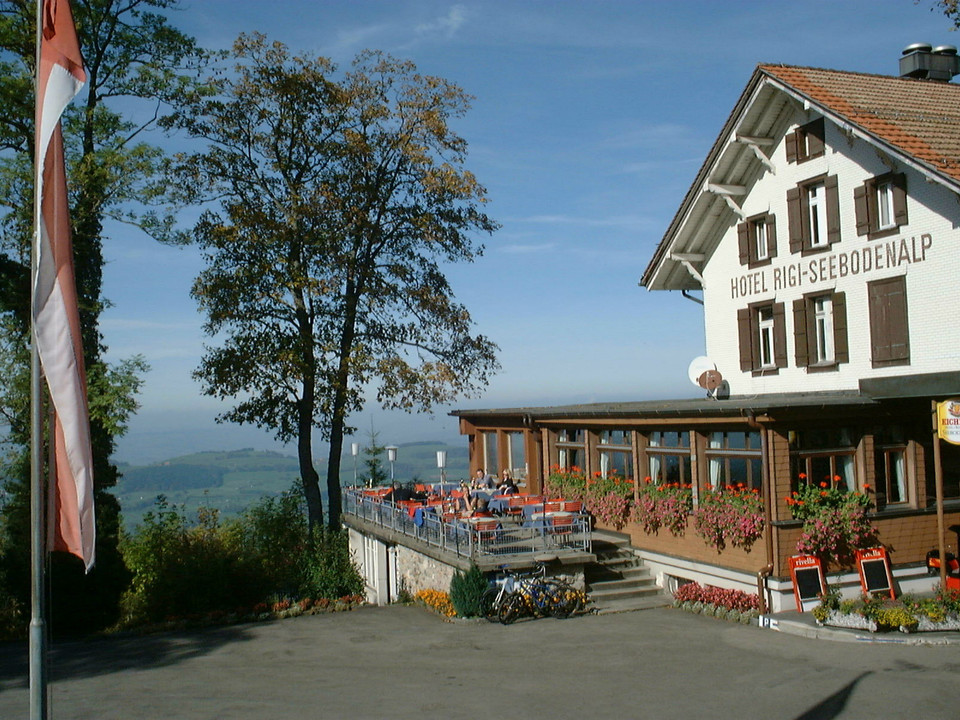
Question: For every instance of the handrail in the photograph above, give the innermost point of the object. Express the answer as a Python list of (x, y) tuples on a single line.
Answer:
[(460, 537)]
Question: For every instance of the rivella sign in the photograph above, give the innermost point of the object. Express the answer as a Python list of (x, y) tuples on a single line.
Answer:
[(948, 421)]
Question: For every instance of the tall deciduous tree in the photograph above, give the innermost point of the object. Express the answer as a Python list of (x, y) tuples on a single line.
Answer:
[(135, 61), (339, 199)]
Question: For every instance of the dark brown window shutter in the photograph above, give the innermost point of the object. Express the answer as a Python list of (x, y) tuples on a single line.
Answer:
[(815, 143), (800, 342), (841, 347), (779, 335), (889, 332), (745, 331), (791, 147), (772, 235), (833, 209), (795, 219), (900, 199), (743, 240), (860, 205)]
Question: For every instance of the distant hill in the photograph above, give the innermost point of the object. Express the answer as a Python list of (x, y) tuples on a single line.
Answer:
[(233, 480)]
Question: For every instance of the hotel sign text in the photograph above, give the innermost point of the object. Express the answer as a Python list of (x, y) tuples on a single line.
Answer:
[(832, 266)]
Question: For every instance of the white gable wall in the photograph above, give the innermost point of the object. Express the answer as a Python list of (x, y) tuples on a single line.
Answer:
[(926, 250)]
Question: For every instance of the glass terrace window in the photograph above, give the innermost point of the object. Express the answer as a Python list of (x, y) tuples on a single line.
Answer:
[(733, 458), (571, 448), (616, 453), (668, 457), (890, 465), (823, 457)]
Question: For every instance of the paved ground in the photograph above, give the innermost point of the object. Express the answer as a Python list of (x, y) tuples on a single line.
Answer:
[(403, 662)]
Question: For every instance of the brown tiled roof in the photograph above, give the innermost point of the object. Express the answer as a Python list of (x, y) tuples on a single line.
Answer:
[(918, 117)]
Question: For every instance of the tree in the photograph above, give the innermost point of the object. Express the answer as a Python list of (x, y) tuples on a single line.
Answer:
[(950, 8), (339, 199), (130, 52), (376, 475)]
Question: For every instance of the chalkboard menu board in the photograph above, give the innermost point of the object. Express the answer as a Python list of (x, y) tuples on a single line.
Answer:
[(808, 583), (874, 567)]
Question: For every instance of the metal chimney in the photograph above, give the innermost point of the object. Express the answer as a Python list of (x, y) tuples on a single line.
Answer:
[(919, 60)]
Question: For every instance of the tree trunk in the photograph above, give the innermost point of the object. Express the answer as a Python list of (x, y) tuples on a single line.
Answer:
[(339, 409), (308, 474)]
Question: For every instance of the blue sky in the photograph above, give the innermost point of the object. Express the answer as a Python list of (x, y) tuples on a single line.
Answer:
[(589, 122)]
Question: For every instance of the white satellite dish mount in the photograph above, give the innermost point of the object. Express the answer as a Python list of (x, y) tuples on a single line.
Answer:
[(704, 374)]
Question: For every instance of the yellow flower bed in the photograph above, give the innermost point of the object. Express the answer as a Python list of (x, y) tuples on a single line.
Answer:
[(437, 600)]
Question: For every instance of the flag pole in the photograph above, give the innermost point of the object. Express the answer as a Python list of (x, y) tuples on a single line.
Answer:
[(38, 497)]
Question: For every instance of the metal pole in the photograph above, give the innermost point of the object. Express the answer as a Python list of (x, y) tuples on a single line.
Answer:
[(938, 476), (38, 630)]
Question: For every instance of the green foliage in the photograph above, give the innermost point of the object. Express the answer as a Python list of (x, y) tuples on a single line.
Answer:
[(466, 589), (183, 569), (835, 522), (339, 198), (329, 570), (373, 461)]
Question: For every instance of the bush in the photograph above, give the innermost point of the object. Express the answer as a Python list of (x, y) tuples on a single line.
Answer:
[(329, 571), (466, 590)]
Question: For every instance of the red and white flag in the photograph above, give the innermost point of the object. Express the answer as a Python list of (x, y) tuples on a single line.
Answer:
[(56, 317)]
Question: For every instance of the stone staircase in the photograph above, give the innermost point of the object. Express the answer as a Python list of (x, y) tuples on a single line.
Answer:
[(618, 580)]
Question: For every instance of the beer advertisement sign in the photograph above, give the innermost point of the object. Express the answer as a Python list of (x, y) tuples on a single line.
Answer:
[(948, 421)]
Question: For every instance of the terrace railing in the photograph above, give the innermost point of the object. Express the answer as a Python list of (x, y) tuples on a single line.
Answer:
[(466, 539)]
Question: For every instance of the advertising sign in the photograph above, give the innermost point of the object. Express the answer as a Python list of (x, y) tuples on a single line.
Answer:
[(948, 421), (874, 567), (808, 581)]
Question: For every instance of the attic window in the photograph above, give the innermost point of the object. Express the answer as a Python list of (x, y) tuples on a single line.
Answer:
[(881, 205), (806, 142)]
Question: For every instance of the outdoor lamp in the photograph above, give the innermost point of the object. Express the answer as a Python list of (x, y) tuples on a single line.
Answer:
[(355, 450), (392, 457), (441, 463)]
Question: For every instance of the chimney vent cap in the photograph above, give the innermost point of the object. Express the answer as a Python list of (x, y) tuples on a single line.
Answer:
[(945, 50), (916, 47)]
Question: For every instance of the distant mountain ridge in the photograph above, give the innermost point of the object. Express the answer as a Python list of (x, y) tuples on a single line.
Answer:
[(231, 481)]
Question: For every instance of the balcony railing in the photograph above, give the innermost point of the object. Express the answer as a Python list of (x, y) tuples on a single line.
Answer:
[(489, 537)]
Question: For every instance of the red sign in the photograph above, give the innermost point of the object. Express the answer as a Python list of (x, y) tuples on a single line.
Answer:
[(874, 568), (808, 583)]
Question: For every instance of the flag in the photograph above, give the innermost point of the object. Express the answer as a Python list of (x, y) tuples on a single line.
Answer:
[(56, 317)]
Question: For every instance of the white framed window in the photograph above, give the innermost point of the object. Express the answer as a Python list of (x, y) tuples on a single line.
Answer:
[(817, 214), (765, 330), (760, 238), (823, 327), (885, 212)]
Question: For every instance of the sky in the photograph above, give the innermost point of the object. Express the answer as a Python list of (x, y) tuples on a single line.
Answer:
[(589, 122)]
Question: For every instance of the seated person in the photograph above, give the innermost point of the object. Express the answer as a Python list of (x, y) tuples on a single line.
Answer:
[(398, 493), (482, 481), (508, 485)]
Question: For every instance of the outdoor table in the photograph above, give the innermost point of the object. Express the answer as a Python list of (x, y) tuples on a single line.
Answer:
[(529, 510), (499, 503)]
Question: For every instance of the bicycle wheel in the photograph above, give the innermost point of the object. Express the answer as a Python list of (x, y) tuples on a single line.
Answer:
[(512, 607), (566, 601), (490, 603)]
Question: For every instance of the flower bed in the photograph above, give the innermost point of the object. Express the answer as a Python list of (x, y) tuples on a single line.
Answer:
[(723, 603), (877, 614)]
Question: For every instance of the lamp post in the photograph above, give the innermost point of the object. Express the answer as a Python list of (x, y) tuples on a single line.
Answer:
[(355, 450), (392, 457), (442, 464)]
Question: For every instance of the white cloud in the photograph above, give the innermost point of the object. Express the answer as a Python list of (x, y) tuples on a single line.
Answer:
[(446, 26)]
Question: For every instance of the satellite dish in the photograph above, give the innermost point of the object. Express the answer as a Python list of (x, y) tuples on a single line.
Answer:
[(704, 374)]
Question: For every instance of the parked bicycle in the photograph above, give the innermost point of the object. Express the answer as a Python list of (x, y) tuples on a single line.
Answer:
[(539, 596)]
